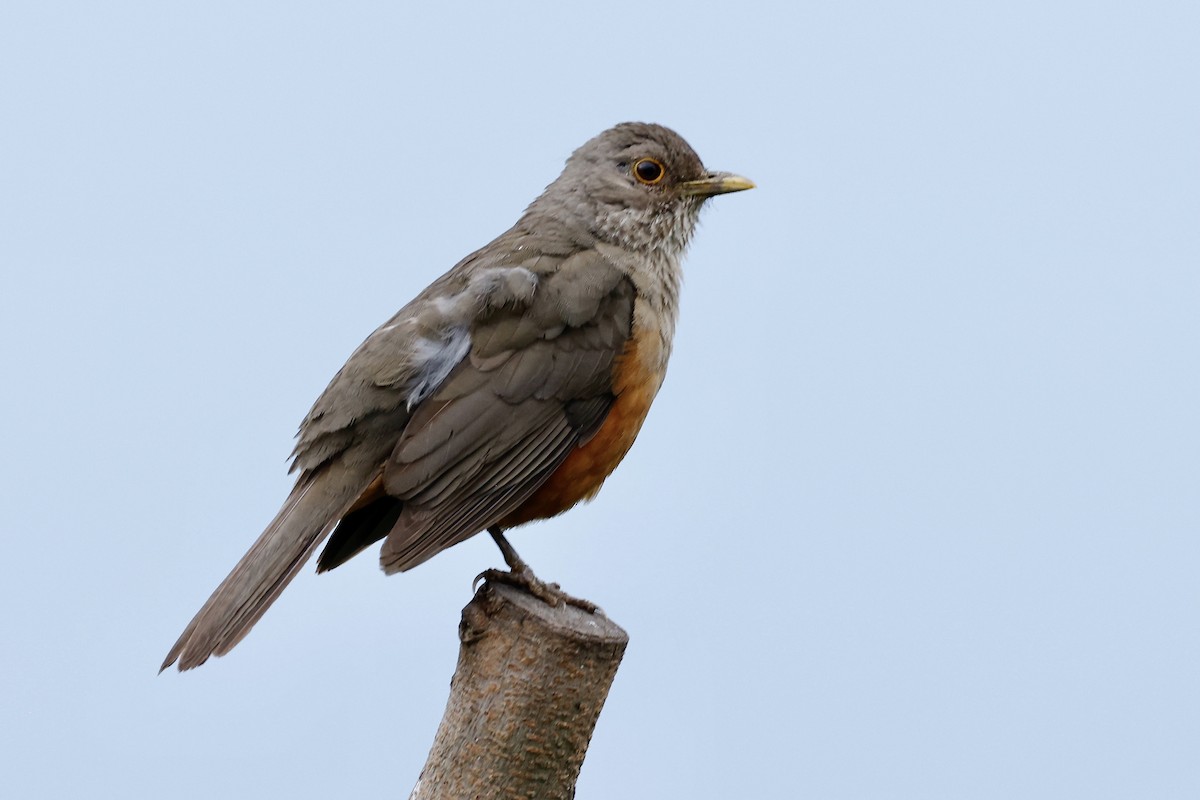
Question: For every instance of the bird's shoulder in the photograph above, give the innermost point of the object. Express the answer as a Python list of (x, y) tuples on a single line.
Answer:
[(493, 302)]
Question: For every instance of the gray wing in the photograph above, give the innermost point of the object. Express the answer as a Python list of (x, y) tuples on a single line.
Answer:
[(534, 385)]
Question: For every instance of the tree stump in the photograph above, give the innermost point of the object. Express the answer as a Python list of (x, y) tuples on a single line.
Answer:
[(530, 682)]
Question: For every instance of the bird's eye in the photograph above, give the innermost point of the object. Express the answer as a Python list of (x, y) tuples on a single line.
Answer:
[(648, 171)]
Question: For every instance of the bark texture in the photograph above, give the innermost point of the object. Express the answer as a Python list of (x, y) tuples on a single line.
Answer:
[(530, 683)]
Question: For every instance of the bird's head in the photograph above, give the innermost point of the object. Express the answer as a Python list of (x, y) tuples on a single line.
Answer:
[(637, 185)]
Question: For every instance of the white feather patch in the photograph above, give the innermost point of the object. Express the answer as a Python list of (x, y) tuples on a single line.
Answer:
[(433, 360)]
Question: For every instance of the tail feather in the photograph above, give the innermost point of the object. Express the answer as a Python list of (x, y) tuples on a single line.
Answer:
[(358, 530), (307, 517)]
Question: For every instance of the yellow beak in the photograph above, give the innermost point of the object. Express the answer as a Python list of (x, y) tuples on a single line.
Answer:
[(716, 183)]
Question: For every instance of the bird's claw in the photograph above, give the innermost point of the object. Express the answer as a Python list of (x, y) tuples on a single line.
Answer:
[(549, 593)]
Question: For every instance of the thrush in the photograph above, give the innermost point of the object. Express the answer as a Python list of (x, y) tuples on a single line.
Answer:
[(505, 392)]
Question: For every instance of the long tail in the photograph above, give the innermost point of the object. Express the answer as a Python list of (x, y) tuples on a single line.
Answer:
[(310, 512)]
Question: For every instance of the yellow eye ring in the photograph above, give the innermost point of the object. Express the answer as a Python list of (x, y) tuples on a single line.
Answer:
[(649, 171)]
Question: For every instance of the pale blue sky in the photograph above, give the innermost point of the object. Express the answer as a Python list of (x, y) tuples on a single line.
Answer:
[(915, 515)]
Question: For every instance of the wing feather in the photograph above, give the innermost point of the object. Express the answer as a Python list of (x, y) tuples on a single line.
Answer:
[(470, 456)]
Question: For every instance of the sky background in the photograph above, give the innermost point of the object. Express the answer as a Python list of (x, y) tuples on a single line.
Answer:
[(915, 515)]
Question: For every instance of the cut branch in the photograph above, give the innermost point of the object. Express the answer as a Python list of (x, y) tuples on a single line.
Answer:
[(530, 683)]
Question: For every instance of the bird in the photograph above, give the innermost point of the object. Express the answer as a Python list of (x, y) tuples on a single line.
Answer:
[(505, 392)]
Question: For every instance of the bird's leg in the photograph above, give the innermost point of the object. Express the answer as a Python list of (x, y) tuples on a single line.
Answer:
[(521, 576), (508, 551)]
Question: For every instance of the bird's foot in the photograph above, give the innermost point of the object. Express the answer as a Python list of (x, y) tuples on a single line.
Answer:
[(551, 594), (521, 576)]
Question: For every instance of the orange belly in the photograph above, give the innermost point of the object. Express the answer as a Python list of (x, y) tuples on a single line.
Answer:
[(585, 469)]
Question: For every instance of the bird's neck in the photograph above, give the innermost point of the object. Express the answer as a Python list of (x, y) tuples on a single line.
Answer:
[(657, 277)]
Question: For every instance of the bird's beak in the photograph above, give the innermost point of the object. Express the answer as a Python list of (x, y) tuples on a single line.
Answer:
[(716, 183)]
